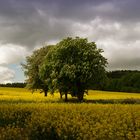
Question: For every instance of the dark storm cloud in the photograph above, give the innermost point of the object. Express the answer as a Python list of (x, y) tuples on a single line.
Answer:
[(31, 23), (26, 23), (85, 10)]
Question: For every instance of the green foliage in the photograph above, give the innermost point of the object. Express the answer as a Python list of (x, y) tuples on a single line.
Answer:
[(127, 81), (131, 82), (32, 66), (15, 85), (73, 66), (117, 74)]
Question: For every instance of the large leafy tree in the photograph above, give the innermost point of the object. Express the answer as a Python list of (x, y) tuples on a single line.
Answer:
[(31, 70), (75, 65)]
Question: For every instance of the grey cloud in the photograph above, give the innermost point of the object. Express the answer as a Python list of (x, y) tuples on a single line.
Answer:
[(86, 10), (36, 30), (6, 74), (68, 9), (131, 64), (31, 23), (11, 54), (122, 55)]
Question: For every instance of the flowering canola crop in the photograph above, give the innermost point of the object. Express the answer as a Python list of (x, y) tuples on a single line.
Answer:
[(33, 119)]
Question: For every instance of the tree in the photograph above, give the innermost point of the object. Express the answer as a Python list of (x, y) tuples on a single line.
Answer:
[(130, 82), (32, 66), (75, 65), (123, 80)]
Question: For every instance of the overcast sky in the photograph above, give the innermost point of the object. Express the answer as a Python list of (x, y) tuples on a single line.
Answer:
[(28, 24)]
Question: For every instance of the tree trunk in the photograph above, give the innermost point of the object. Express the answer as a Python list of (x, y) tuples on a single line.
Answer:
[(80, 96), (60, 95), (45, 93), (66, 97)]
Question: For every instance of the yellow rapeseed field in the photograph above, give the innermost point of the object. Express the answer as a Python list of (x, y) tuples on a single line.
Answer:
[(27, 116)]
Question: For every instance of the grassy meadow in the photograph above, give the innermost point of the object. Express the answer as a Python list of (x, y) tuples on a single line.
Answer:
[(102, 116)]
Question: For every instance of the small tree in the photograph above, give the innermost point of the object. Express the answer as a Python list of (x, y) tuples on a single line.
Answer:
[(32, 66), (75, 65)]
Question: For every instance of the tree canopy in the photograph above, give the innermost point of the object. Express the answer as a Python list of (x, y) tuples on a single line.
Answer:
[(31, 69), (73, 66), (124, 81)]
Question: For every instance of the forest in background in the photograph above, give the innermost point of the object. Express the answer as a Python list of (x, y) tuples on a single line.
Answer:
[(119, 80)]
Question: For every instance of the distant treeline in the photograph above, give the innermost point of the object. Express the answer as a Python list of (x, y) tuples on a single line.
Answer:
[(15, 85), (123, 81)]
